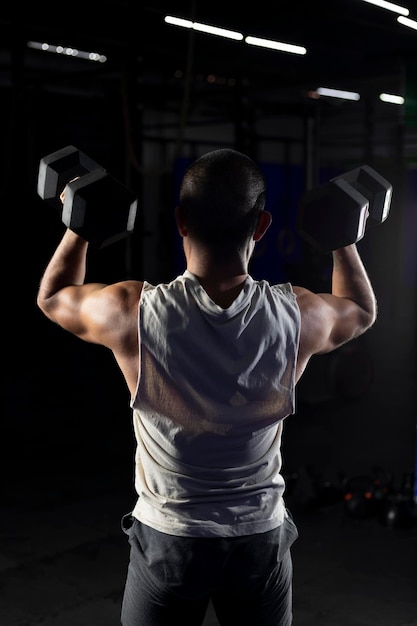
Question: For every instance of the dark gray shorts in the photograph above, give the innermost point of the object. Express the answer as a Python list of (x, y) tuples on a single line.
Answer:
[(171, 579)]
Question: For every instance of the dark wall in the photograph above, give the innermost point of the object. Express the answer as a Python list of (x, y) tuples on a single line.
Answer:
[(66, 400)]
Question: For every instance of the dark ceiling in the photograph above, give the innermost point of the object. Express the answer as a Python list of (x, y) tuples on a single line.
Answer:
[(346, 40), (350, 44)]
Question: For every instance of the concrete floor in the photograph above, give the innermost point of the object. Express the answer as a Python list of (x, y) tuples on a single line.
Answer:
[(63, 556)]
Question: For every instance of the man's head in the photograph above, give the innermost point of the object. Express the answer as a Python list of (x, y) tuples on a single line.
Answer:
[(221, 197)]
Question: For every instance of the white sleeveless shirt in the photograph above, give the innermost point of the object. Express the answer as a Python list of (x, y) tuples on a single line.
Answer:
[(214, 387)]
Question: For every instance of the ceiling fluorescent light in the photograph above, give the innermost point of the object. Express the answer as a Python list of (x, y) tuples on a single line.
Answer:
[(337, 93), (67, 51), (204, 28), (275, 45), (220, 32), (178, 21), (389, 6), (391, 98), (407, 22), (231, 34)]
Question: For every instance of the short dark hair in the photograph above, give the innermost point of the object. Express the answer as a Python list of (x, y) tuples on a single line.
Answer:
[(221, 196)]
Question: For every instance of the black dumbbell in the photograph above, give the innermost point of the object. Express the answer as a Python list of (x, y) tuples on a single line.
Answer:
[(96, 206), (336, 214)]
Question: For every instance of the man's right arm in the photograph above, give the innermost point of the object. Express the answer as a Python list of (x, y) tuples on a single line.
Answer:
[(329, 320)]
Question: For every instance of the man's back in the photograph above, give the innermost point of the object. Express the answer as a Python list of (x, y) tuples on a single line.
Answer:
[(214, 385)]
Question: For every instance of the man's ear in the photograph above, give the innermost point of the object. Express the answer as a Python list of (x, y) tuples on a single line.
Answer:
[(180, 221), (264, 222)]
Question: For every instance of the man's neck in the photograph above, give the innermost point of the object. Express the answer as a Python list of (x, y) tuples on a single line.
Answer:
[(222, 285)]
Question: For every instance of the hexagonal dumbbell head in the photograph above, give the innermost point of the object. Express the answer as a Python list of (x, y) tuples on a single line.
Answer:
[(374, 187), (58, 168), (99, 208), (332, 216)]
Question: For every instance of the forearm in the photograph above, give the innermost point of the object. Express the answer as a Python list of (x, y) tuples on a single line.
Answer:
[(66, 267), (350, 280)]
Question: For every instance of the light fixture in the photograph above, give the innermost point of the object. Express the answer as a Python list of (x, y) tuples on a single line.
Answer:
[(391, 98), (220, 32), (67, 51), (337, 93), (390, 6), (275, 45), (231, 34), (204, 28), (178, 21), (405, 21)]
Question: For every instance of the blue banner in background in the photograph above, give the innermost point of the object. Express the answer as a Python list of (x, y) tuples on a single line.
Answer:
[(280, 248)]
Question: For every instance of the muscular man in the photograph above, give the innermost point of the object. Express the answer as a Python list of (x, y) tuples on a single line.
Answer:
[(211, 361)]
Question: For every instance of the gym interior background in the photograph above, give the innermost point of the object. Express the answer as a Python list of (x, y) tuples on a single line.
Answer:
[(160, 96)]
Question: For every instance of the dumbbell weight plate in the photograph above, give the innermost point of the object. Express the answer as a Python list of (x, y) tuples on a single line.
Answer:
[(96, 206), (99, 208), (336, 214), (374, 187), (56, 169), (332, 216)]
